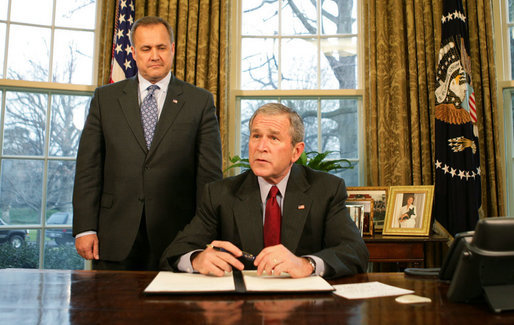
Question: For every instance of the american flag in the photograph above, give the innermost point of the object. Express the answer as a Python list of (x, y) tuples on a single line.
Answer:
[(457, 196), (123, 65)]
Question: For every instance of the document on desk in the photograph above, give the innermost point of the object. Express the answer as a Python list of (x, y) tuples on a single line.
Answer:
[(183, 283), (368, 290)]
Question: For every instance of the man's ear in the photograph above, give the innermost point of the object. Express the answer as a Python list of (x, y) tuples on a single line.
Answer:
[(133, 50), (297, 151)]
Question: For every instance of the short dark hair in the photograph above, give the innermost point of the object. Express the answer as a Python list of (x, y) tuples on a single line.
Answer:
[(296, 130), (150, 20)]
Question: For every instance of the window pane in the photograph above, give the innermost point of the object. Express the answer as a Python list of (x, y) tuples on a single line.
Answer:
[(339, 63), (511, 41), (28, 65), (350, 176), (59, 191), (511, 10), (299, 64), (25, 120), (32, 11), (21, 191), (19, 248), (60, 250), (339, 17), (75, 13), (259, 64), (339, 127), (248, 106), (259, 17), (73, 57), (68, 116), (2, 48), (512, 114), (3, 9), (308, 110), (299, 18)]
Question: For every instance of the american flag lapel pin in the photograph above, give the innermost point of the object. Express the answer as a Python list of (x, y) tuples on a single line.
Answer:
[(301, 207)]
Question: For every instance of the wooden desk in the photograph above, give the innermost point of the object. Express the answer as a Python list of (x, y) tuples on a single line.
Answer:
[(399, 248), (115, 297)]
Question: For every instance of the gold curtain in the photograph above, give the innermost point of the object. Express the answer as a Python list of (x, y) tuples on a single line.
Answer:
[(402, 40), (201, 38)]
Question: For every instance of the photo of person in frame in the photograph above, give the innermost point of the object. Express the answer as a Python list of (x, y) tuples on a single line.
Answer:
[(407, 216), (408, 210)]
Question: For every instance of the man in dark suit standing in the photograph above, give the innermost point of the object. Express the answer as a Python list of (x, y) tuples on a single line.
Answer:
[(309, 232), (149, 145)]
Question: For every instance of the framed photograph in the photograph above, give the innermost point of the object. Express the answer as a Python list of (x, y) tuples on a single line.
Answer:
[(409, 210), (379, 196), (357, 215), (367, 223)]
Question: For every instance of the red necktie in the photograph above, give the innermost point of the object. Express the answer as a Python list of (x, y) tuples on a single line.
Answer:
[(272, 219)]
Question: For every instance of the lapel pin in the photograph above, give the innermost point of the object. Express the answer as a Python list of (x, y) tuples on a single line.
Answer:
[(175, 101), (301, 207)]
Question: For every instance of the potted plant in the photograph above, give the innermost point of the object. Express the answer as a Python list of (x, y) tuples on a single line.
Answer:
[(312, 159)]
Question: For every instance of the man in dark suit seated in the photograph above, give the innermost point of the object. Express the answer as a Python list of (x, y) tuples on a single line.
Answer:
[(303, 229)]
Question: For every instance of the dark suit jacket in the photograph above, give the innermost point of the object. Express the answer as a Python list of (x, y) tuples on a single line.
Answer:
[(315, 220), (117, 177)]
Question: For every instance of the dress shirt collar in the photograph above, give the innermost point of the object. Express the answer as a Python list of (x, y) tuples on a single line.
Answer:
[(265, 186), (143, 84)]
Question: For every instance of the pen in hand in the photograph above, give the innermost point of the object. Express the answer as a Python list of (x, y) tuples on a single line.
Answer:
[(247, 258)]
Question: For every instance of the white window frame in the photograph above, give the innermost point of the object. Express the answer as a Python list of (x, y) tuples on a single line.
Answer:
[(505, 87), (235, 93), (48, 88)]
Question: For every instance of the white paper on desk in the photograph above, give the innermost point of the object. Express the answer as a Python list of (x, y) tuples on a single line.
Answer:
[(284, 283), (368, 290), (169, 282), (187, 282)]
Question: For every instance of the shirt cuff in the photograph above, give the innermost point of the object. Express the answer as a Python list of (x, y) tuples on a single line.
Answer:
[(320, 265), (184, 262), (86, 233)]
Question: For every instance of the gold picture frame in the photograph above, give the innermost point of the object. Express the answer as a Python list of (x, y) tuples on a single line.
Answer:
[(367, 225), (409, 210), (379, 196)]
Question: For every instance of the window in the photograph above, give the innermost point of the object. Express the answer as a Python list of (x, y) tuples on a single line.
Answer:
[(47, 50), (503, 11), (304, 54)]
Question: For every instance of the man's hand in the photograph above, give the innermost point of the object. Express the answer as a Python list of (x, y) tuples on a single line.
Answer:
[(212, 261), (277, 259), (87, 246)]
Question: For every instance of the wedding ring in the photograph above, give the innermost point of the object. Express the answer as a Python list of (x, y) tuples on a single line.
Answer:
[(275, 261), (209, 246)]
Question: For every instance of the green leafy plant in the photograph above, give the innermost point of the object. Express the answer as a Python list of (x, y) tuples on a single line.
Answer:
[(312, 159), (316, 160)]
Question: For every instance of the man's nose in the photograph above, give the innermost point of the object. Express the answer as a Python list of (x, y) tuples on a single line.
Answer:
[(154, 54), (262, 145)]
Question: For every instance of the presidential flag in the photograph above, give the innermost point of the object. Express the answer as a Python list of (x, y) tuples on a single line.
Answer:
[(457, 196), (123, 65)]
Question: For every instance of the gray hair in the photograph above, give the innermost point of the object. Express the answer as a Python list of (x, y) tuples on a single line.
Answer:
[(296, 129), (147, 21)]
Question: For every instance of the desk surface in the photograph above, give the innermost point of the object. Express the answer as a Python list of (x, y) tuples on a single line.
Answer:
[(105, 297)]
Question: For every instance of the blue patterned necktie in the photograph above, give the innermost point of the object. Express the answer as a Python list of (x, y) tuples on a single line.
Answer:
[(149, 114)]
